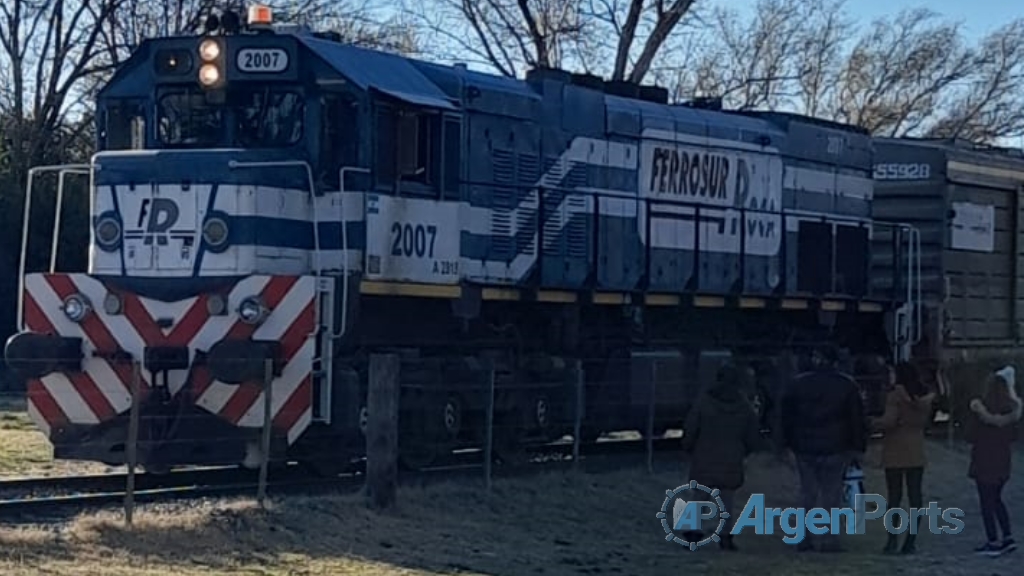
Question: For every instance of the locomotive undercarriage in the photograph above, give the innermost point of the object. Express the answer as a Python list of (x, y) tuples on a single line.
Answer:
[(169, 436), (533, 349)]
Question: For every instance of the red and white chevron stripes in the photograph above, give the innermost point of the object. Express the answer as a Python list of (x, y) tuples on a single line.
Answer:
[(101, 391)]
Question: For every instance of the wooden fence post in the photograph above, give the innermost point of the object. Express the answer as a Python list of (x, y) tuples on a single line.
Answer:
[(133, 443), (382, 430), (268, 421)]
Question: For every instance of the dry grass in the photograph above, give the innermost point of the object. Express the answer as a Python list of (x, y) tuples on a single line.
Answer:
[(25, 451), (553, 524)]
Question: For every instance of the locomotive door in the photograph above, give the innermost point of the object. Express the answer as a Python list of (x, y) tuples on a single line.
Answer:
[(160, 226), (171, 225)]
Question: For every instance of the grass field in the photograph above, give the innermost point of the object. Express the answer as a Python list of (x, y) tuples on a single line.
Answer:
[(24, 451), (554, 524)]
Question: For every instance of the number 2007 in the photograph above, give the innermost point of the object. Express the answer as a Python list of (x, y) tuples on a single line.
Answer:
[(413, 240)]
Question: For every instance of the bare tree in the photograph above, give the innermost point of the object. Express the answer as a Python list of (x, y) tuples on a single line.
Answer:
[(47, 49), (620, 39), (990, 105), (504, 34), (652, 20), (357, 21), (751, 64), (894, 78), (909, 74)]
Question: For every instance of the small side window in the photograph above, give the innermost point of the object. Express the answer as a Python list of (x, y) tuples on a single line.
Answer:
[(409, 148), (452, 156), (385, 150), (138, 133), (339, 137), (125, 127)]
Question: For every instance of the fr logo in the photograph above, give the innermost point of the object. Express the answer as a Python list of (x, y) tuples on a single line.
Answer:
[(684, 513), (162, 214)]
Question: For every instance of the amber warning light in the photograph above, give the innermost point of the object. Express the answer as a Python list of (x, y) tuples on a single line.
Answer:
[(260, 15)]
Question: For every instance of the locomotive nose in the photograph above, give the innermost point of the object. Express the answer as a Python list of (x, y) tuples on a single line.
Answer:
[(32, 355)]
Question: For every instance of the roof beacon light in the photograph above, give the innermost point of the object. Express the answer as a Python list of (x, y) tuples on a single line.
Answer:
[(260, 16)]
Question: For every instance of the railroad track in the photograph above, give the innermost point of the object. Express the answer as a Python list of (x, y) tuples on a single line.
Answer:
[(55, 498)]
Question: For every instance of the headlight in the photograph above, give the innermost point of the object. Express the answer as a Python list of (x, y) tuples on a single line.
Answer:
[(209, 50), (112, 304), (76, 307), (215, 233), (252, 310), (216, 305), (209, 75), (108, 233)]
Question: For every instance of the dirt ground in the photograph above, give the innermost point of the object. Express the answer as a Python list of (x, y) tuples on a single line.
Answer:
[(555, 524)]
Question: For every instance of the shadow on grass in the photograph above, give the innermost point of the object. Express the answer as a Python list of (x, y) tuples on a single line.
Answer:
[(557, 524), (560, 524)]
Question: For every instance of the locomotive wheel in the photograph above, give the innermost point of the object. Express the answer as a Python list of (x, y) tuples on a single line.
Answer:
[(325, 467), (418, 432), (364, 420), (589, 435), (541, 412), (547, 418), (156, 469), (658, 432), (508, 439), (452, 417)]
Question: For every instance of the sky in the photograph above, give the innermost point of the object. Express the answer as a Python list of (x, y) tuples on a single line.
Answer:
[(978, 16)]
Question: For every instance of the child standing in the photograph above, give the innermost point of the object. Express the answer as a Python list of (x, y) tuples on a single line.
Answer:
[(991, 430)]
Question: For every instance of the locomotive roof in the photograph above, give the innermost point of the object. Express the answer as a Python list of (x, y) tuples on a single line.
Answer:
[(442, 87), (370, 69), (954, 145)]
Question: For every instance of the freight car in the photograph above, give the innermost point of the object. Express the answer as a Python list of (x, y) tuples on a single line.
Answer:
[(966, 201), (277, 194)]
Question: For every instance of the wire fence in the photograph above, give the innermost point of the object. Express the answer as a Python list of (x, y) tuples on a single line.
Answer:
[(418, 413)]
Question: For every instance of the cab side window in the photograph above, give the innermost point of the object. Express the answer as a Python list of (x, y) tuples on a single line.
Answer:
[(408, 152), (124, 126), (339, 137)]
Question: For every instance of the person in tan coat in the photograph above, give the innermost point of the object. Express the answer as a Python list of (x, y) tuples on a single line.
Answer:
[(908, 411)]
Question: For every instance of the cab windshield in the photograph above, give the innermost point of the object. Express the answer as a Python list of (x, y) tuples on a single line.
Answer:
[(248, 118)]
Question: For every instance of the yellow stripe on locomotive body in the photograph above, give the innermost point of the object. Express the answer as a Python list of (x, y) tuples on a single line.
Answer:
[(413, 290)]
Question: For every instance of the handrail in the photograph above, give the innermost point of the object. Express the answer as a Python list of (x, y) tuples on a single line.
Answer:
[(344, 248), (655, 207), (55, 244), (920, 289), (25, 224), (235, 164), (668, 202)]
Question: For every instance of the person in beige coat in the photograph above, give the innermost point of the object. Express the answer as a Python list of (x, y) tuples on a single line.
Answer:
[(908, 412)]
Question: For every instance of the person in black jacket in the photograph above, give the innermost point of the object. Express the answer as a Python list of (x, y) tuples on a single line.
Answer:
[(720, 431), (824, 425)]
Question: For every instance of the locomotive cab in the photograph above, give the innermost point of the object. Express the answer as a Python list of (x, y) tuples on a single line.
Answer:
[(216, 245)]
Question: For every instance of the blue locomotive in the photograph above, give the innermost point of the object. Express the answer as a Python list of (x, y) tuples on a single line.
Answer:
[(269, 193)]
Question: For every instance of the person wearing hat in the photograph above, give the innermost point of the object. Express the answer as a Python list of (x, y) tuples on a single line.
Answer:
[(991, 430), (720, 431)]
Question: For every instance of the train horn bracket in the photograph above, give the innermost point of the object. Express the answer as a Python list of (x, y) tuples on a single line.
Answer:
[(33, 355), (238, 361)]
